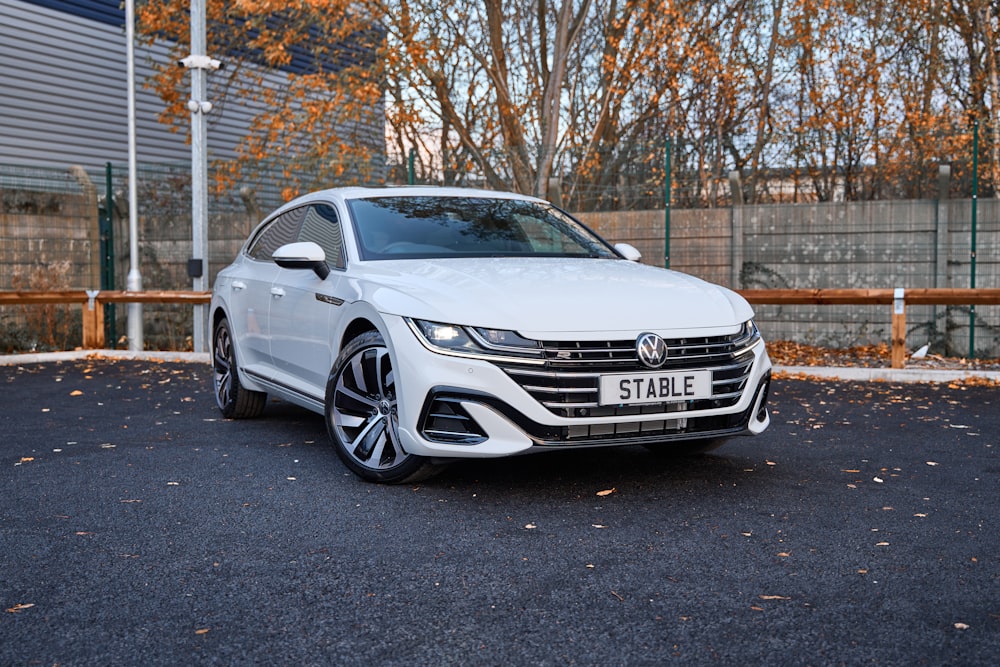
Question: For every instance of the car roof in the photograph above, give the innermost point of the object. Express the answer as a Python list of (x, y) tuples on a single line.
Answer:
[(357, 192)]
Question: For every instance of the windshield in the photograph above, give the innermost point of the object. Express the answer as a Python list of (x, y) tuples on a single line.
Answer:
[(409, 227)]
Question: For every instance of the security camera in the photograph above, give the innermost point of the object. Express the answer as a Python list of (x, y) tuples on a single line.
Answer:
[(201, 62), (194, 106)]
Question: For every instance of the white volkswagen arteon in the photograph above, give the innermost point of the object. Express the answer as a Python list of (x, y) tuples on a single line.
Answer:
[(433, 324)]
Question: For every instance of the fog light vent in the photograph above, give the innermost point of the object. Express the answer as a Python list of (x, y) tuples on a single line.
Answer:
[(447, 421)]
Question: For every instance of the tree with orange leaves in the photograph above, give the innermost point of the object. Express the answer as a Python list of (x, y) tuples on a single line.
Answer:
[(310, 68), (836, 98)]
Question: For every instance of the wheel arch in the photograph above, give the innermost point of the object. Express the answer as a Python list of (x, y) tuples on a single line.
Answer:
[(355, 328), (217, 314)]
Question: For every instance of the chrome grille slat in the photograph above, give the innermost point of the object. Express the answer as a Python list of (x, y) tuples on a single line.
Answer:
[(560, 390), (565, 406), (572, 371), (732, 394)]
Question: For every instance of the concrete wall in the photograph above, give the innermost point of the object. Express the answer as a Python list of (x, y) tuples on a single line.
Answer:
[(867, 244)]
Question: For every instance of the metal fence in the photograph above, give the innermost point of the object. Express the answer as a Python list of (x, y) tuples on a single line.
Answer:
[(68, 229)]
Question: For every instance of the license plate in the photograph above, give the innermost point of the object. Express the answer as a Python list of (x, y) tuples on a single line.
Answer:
[(638, 388)]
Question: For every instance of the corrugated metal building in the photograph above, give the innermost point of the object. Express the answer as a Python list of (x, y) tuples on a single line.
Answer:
[(63, 94)]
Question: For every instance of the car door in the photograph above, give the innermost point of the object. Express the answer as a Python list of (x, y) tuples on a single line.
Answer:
[(251, 293), (303, 307)]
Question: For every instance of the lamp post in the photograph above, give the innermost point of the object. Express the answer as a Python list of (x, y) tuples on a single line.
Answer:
[(133, 282), (199, 64)]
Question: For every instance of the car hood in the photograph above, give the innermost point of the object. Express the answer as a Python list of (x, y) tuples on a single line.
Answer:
[(539, 297)]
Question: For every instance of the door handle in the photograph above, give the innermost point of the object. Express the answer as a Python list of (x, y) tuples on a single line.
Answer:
[(277, 292), (239, 284)]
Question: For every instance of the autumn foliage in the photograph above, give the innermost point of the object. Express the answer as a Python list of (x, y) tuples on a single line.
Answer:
[(808, 99)]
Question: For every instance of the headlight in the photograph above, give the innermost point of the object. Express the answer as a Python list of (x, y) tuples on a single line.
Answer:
[(445, 336), (475, 341), (505, 339), (748, 336)]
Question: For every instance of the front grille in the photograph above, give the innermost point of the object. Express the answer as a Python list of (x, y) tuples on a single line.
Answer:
[(568, 384)]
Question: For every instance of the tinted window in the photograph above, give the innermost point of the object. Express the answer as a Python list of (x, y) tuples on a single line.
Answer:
[(322, 227), (418, 227), (283, 229)]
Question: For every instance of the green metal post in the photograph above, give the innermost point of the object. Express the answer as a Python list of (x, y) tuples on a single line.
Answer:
[(411, 176), (107, 250), (666, 213), (972, 269)]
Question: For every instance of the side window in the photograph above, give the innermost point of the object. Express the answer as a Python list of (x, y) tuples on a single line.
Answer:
[(322, 226), (283, 229)]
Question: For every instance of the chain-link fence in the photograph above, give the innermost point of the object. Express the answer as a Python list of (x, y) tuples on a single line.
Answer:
[(698, 171)]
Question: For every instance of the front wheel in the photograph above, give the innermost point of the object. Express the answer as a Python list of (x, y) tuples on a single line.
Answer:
[(361, 415)]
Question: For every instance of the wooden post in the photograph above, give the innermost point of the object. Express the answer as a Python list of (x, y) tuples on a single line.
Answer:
[(93, 322), (899, 328)]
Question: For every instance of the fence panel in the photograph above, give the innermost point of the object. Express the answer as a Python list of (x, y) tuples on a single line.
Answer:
[(49, 239)]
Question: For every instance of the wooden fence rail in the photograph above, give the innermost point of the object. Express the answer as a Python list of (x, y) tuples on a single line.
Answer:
[(93, 300), (93, 305)]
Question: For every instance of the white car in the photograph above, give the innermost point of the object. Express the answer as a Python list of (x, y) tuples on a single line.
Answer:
[(432, 324)]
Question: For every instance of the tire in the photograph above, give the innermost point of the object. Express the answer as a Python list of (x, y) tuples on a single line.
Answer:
[(686, 448), (233, 399), (361, 415)]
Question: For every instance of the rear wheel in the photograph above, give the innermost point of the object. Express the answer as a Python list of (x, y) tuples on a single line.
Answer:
[(362, 418), (235, 401)]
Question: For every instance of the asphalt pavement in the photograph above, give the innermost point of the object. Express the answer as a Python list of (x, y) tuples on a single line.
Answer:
[(139, 527)]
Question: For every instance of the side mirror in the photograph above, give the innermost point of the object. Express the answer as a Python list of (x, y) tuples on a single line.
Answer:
[(302, 255), (628, 251)]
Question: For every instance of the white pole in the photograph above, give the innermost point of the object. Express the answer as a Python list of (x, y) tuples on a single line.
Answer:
[(199, 170), (133, 282)]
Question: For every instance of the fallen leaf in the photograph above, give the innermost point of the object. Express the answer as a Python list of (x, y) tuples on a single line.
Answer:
[(773, 597), (961, 626), (853, 471), (607, 492), (202, 631), (784, 554), (882, 544), (877, 480), (76, 392), (18, 608), (598, 525), (529, 526), (932, 463)]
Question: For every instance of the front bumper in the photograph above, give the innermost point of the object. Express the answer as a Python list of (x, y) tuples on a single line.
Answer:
[(453, 407)]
